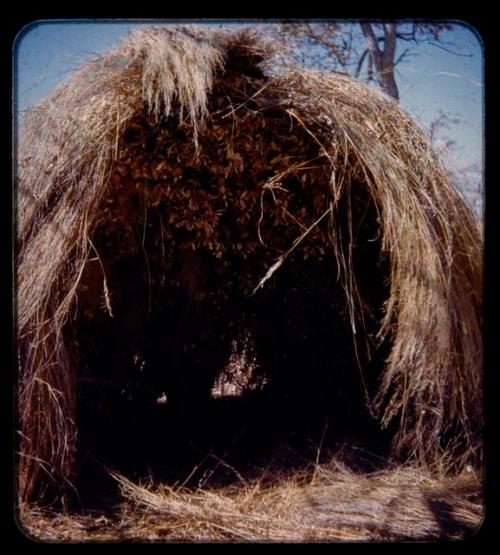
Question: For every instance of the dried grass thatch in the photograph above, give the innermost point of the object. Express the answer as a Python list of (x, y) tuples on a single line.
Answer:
[(325, 503), (83, 158)]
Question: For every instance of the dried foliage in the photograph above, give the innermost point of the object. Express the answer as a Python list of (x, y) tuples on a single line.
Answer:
[(183, 130), (325, 503)]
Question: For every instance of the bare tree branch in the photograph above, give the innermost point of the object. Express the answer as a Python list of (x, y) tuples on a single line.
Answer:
[(371, 38), (334, 46), (389, 45), (451, 51), (402, 56), (370, 68), (360, 63)]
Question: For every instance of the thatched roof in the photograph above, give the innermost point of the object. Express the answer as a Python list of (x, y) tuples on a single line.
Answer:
[(73, 143)]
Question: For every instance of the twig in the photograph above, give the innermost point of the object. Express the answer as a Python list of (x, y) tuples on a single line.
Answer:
[(104, 281), (295, 244)]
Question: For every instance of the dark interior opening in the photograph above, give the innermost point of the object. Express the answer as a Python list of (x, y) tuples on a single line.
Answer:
[(146, 402), (159, 327)]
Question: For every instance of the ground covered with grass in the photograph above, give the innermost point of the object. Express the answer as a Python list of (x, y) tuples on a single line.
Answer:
[(334, 497)]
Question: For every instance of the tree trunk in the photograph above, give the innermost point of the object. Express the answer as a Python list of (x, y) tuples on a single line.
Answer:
[(383, 60)]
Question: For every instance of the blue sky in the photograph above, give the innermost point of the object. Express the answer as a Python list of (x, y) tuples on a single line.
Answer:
[(435, 80), (432, 80)]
